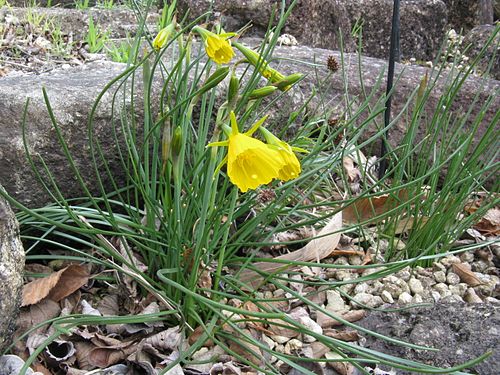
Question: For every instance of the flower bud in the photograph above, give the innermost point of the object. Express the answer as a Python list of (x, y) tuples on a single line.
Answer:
[(214, 79), (163, 36), (288, 81), (262, 92), (176, 144), (232, 91)]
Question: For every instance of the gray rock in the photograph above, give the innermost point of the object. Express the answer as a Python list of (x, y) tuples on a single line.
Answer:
[(416, 286), (461, 332), (440, 276), (404, 298), (11, 271), (335, 301), (317, 22), (366, 299), (470, 296), (463, 14), (452, 278), (71, 96)]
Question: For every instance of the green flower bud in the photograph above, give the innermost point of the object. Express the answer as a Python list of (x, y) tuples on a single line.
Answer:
[(288, 81), (214, 80), (176, 144), (232, 92), (262, 92), (163, 36)]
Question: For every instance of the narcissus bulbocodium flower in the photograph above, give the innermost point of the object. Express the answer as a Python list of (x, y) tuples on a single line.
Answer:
[(291, 166), (217, 46), (250, 162)]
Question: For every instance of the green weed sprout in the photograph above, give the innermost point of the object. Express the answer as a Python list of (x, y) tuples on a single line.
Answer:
[(95, 38)]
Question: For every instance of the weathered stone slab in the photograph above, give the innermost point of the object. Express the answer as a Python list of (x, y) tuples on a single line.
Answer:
[(461, 332), (11, 272), (317, 23), (72, 94)]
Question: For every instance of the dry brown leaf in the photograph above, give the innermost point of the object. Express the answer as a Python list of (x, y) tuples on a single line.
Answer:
[(169, 339), (247, 350), (351, 316), (318, 248), (465, 274), (406, 224), (55, 286), (367, 208), (198, 331), (353, 173), (83, 349), (342, 368), (104, 357), (36, 314), (347, 335), (490, 223)]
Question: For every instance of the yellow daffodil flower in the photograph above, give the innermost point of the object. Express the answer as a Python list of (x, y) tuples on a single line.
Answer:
[(250, 162), (291, 166), (217, 46)]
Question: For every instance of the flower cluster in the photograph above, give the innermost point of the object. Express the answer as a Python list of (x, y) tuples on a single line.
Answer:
[(250, 161)]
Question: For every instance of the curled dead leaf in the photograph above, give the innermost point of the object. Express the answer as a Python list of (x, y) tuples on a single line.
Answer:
[(318, 248), (465, 274), (55, 286)]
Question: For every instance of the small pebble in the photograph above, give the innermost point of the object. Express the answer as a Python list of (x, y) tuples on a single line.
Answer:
[(387, 297), (404, 298), (470, 296), (440, 276), (452, 278), (452, 298), (416, 286)]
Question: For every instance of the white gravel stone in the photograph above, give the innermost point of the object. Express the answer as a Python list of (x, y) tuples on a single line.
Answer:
[(386, 296), (442, 289), (307, 322), (355, 260), (292, 346), (480, 266), (404, 298), (417, 298), (449, 260), (404, 274), (452, 298), (363, 298), (440, 276), (492, 300), (335, 302), (470, 296), (467, 257), (452, 278), (375, 287), (435, 295), (280, 339), (438, 267), (361, 288), (459, 289), (416, 286)]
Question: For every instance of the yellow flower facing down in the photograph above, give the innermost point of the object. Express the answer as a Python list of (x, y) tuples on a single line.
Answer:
[(250, 162), (217, 46), (291, 166)]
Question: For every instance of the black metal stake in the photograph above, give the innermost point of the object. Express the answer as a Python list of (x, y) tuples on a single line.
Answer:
[(394, 55)]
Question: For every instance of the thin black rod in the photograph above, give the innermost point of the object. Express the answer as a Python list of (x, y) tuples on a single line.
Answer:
[(394, 55)]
